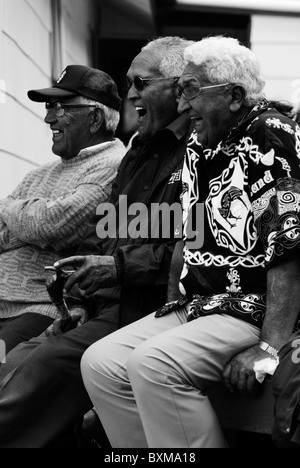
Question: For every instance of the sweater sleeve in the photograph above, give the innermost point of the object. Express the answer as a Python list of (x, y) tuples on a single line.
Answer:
[(59, 223), (7, 239)]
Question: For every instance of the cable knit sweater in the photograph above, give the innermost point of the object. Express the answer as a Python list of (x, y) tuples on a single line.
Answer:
[(45, 219)]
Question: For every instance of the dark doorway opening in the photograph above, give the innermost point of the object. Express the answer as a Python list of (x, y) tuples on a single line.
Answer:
[(115, 57)]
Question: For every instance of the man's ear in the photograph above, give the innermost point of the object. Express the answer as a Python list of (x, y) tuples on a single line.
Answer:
[(96, 120), (237, 98)]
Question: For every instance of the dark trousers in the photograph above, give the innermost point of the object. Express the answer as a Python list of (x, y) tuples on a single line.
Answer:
[(42, 395), (22, 328)]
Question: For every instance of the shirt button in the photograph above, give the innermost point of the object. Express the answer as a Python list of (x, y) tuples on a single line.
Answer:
[(146, 187), (155, 156)]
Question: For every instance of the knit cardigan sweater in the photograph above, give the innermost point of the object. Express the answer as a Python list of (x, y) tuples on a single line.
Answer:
[(45, 219)]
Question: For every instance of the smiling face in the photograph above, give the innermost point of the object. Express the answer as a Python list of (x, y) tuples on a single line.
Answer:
[(71, 131), (156, 103), (213, 111)]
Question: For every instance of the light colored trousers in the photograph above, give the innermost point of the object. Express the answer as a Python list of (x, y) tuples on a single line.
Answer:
[(148, 380)]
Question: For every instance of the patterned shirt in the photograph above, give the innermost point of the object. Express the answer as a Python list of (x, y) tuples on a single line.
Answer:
[(240, 214)]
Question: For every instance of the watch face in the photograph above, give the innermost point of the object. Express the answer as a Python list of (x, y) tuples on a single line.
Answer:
[(263, 345), (269, 349)]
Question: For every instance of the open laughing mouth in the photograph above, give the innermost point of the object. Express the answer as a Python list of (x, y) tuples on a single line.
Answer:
[(196, 119), (141, 113), (56, 134)]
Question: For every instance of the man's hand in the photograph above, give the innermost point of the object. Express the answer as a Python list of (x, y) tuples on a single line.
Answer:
[(239, 374), (92, 272), (283, 298), (78, 316)]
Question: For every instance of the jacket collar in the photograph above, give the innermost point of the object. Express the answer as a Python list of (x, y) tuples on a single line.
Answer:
[(179, 127)]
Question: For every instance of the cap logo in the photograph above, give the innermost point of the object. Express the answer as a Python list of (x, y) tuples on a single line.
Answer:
[(61, 76)]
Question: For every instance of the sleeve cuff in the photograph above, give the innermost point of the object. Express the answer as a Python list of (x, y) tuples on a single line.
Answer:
[(119, 268)]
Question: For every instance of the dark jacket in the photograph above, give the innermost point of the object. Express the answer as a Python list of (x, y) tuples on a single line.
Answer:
[(150, 173), (286, 392)]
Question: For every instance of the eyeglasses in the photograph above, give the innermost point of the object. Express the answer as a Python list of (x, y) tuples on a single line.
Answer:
[(140, 83), (59, 109), (193, 88)]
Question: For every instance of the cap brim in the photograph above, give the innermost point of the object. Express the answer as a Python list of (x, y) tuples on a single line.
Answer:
[(43, 95)]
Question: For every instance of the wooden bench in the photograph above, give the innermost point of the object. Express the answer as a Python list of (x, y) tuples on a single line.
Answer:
[(239, 412)]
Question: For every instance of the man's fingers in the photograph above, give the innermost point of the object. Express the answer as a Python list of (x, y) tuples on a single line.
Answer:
[(252, 385), (76, 261), (49, 331), (73, 279), (57, 327), (54, 329), (227, 378), (241, 383), (91, 289), (85, 283)]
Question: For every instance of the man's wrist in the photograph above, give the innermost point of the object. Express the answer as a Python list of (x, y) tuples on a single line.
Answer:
[(268, 348)]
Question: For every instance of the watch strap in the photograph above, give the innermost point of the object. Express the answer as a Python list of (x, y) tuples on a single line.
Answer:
[(268, 348)]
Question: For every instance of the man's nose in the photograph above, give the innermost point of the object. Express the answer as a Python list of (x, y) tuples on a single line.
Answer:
[(50, 117), (183, 105), (133, 92)]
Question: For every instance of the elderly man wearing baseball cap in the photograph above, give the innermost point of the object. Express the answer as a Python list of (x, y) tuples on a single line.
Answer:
[(118, 278), (79, 80), (46, 216)]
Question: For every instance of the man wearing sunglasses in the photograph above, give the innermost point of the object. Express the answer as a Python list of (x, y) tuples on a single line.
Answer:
[(117, 278), (237, 295), (46, 216)]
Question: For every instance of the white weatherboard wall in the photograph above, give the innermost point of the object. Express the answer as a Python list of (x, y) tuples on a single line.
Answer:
[(25, 48), (276, 42), (26, 30), (78, 19)]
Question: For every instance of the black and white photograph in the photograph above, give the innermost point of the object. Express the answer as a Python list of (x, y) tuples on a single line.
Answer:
[(150, 226)]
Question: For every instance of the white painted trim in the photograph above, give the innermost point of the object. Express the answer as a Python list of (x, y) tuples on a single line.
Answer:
[(1, 27), (57, 46), (2, 82), (284, 6)]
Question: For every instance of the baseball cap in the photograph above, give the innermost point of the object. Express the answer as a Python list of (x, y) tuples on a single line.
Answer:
[(84, 81)]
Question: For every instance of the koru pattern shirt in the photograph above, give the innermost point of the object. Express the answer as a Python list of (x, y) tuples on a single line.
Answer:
[(240, 214)]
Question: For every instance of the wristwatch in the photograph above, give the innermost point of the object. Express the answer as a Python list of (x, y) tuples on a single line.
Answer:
[(268, 349)]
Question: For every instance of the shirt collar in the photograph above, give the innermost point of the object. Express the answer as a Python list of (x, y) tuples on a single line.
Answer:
[(95, 148), (180, 126)]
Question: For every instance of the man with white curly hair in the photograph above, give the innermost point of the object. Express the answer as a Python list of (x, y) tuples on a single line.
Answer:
[(236, 299)]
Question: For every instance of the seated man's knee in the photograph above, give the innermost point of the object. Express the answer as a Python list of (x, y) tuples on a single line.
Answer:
[(95, 362), (49, 357), (89, 363), (145, 363)]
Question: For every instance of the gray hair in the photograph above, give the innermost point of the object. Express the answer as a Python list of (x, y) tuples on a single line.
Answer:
[(171, 50), (224, 60), (111, 116)]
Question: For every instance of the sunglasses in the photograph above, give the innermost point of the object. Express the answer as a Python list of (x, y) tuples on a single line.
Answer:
[(140, 83), (193, 88), (59, 109)]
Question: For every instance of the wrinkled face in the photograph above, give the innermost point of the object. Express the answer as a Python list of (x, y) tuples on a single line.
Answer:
[(155, 104), (209, 110), (71, 130)]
